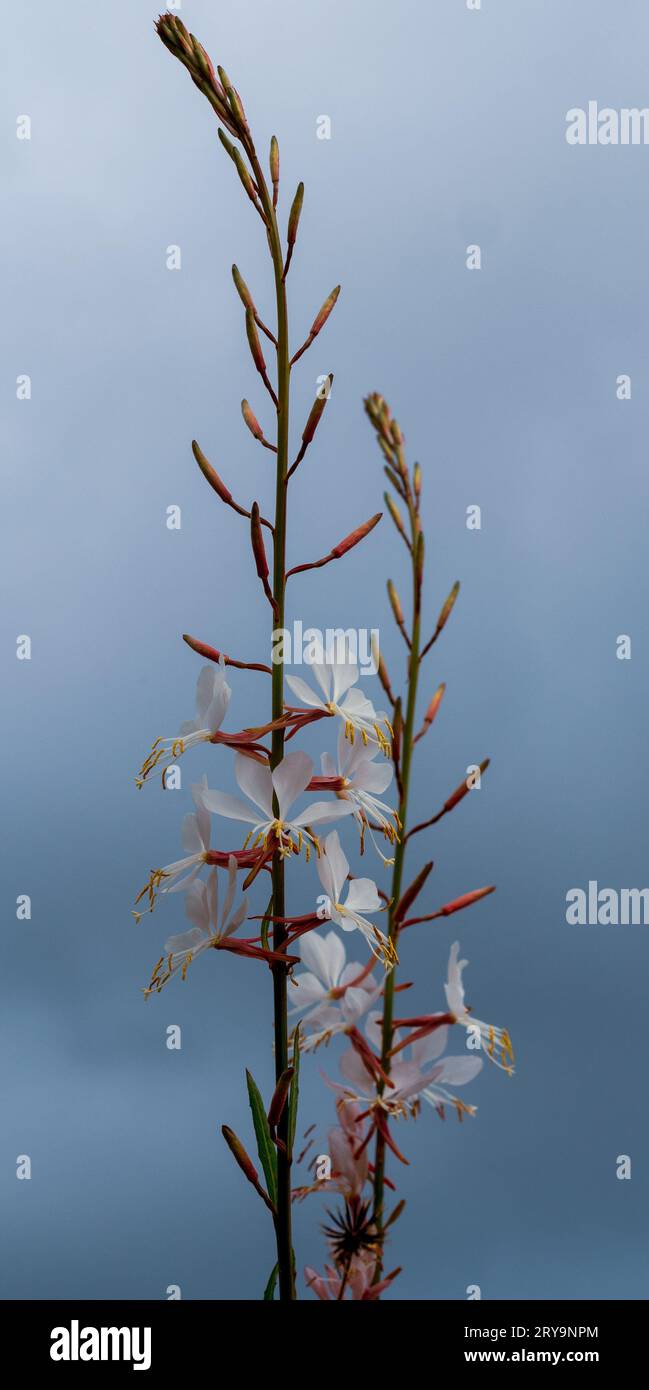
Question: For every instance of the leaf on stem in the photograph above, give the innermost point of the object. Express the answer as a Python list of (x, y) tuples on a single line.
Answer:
[(294, 1095), (269, 1291), (265, 1147), (265, 926)]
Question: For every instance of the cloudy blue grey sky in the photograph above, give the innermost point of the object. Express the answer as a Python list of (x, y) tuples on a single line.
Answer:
[(447, 129)]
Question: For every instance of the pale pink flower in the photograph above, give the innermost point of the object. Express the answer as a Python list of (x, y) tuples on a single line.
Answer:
[(210, 928), (362, 779), (334, 994), (362, 896), (413, 1077), (288, 780), (340, 696), (212, 699), (492, 1040), (333, 1285)]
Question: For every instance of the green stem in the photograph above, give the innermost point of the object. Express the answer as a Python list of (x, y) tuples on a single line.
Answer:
[(397, 874), (286, 1278)]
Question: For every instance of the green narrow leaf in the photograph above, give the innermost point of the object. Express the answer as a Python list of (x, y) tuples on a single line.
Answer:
[(269, 1291), (294, 1091), (265, 926), (265, 1146)]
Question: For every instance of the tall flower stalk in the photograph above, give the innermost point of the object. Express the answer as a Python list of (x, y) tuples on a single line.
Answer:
[(382, 1085), (333, 998), (267, 774)]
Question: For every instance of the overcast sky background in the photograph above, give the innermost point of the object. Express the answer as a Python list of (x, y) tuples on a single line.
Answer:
[(447, 130)]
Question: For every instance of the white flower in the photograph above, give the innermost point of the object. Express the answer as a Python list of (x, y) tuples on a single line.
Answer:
[(410, 1075), (363, 778), (492, 1040), (195, 839), (291, 777), (358, 714), (362, 896), (212, 699), (334, 994), (202, 908)]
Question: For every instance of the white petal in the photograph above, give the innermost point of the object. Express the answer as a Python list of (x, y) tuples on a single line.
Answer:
[(345, 674), (232, 888), (198, 790), (196, 905), (222, 804), (456, 1071), (217, 708), (408, 1080), (431, 1047), (338, 863), (355, 1071), (188, 726), (304, 692), (212, 885), (255, 780), (322, 673), (328, 766), (309, 990), (324, 955), (290, 778), (322, 1019), (373, 777), (354, 1003), (357, 706), (453, 988), (325, 874), (190, 837), (188, 941), (239, 916), (362, 896), (205, 686), (352, 972), (323, 812), (374, 1030)]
